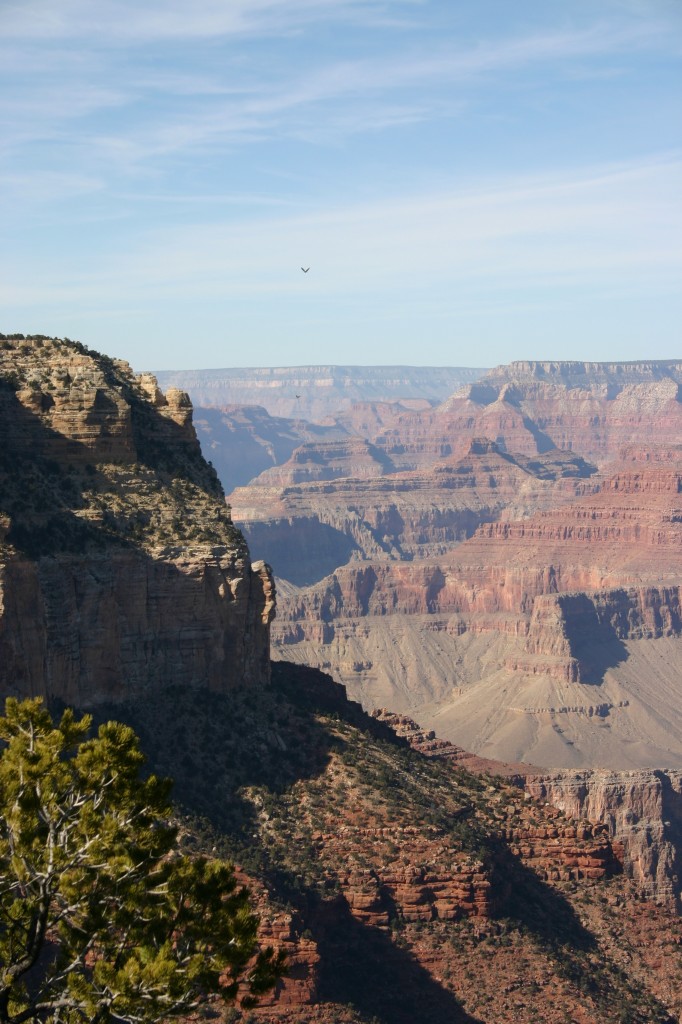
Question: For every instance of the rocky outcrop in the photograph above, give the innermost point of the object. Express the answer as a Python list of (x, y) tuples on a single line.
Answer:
[(591, 408), (642, 810), (120, 569)]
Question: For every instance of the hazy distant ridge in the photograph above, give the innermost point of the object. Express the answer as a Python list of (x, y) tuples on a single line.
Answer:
[(573, 373), (314, 392)]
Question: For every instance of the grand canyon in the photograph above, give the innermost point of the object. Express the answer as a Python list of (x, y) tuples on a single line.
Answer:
[(504, 567), (418, 676)]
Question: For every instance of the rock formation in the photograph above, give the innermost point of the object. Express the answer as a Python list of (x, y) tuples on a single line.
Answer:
[(399, 884), (641, 811), (120, 569), (566, 590), (347, 502)]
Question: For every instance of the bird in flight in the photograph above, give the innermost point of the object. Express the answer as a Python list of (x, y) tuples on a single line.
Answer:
[(305, 269)]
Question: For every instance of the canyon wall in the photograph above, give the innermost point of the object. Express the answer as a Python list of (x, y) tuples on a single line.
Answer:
[(642, 810), (358, 507), (120, 569)]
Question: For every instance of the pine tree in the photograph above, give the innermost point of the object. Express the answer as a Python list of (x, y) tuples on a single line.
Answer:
[(102, 919)]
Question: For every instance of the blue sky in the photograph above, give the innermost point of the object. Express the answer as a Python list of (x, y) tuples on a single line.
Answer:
[(469, 182)]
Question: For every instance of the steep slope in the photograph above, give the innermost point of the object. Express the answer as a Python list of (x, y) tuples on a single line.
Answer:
[(642, 810), (403, 888), (120, 569)]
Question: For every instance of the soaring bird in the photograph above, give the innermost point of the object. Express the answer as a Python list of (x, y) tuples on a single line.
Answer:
[(305, 269)]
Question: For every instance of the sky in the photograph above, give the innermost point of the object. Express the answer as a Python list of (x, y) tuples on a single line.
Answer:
[(468, 182)]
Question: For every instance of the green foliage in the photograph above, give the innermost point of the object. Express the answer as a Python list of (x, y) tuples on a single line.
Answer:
[(101, 919)]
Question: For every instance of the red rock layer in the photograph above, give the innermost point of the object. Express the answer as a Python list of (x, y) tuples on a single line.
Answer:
[(610, 561)]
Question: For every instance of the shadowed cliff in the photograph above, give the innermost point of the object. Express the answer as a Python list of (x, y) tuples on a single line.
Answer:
[(121, 570)]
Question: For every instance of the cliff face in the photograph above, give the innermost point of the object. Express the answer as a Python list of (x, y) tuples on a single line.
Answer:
[(591, 408), (555, 638), (603, 562), (352, 504), (120, 569), (642, 810)]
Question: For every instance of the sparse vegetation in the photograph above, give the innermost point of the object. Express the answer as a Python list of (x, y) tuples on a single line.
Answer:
[(317, 806), (100, 918), (66, 497)]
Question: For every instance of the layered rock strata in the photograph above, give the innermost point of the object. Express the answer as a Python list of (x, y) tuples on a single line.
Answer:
[(591, 408), (607, 564), (640, 811), (556, 611), (345, 503), (120, 569)]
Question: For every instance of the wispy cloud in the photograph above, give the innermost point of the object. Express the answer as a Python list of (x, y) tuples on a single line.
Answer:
[(43, 186), (175, 19), (612, 226), (416, 153), (244, 104)]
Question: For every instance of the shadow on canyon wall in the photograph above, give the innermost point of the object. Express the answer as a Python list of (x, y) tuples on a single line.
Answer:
[(107, 617), (593, 639), (216, 746)]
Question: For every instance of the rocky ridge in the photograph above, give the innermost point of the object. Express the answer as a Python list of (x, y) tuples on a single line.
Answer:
[(404, 887), (120, 568), (641, 811)]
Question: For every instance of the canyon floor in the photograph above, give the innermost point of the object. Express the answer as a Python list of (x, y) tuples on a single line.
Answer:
[(461, 687)]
